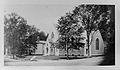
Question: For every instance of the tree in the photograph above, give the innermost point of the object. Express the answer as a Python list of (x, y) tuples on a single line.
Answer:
[(108, 33), (90, 16), (14, 32), (42, 36), (33, 39), (31, 42), (70, 32), (20, 37)]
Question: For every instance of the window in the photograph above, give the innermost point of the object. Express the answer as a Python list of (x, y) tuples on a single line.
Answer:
[(97, 44)]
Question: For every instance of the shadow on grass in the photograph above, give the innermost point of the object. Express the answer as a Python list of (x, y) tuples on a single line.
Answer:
[(79, 57), (72, 58), (59, 57)]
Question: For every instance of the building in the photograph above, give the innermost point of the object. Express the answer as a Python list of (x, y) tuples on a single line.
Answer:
[(47, 47), (97, 46)]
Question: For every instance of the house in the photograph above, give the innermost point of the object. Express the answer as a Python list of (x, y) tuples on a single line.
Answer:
[(47, 47)]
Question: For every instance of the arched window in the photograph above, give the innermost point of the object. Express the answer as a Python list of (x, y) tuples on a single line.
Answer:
[(97, 44)]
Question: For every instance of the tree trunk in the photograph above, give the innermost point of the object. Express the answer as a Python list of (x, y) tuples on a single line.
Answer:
[(88, 38), (54, 50), (67, 51), (67, 54), (66, 48)]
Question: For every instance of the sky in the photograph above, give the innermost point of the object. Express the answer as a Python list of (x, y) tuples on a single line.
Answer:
[(44, 17)]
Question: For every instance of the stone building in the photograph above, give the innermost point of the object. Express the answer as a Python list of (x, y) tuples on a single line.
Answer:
[(97, 46)]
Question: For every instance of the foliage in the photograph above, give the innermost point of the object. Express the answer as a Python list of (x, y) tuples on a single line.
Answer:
[(31, 40), (70, 32), (42, 36), (15, 29), (19, 36), (91, 16), (108, 33), (100, 17)]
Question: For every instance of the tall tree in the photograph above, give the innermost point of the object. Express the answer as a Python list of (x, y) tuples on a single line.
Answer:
[(69, 29), (107, 30), (14, 31), (91, 16)]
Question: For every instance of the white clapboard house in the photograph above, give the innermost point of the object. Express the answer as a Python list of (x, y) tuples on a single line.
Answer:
[(46, 48)]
